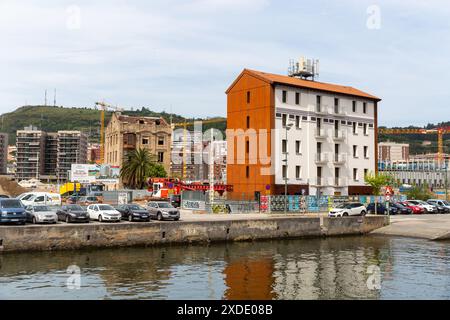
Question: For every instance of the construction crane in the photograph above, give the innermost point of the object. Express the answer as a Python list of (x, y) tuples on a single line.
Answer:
[(185, 125), (103, 107), (439, 131)]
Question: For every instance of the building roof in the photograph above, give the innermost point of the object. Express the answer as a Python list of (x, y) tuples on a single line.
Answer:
[(301, 83), (136, 119)]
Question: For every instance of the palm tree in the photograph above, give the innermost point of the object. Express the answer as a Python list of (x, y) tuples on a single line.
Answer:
[(138, 166)]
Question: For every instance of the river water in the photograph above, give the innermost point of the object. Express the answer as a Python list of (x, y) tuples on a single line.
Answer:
[(335, 268)]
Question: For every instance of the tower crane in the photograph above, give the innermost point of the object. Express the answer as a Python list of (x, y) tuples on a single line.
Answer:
[(103, 107), (439, 131)]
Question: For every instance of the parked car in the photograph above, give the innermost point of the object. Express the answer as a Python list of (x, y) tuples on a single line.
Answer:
[(381, 209), (428, 207), (103, 212), (73, 199), (133, 212), (72, 213), (40, 198), (400, 209), (12, 211), (41, 214), (415, 209), (442, 205), (87, 200), (348, 209), (175, 200), (163, 210)]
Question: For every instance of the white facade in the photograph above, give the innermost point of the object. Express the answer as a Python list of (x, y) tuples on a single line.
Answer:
[(310, 148)]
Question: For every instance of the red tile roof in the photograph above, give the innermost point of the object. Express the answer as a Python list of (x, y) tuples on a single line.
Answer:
[(291, 81)]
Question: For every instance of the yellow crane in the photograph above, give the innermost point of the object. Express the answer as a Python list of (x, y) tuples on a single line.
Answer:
[(103, 107), (185, 125), (439, 131)]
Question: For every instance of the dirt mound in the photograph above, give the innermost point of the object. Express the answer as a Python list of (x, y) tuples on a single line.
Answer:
[(10, 187)]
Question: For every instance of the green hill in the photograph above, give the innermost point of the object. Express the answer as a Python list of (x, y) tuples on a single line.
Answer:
[(52, 119)]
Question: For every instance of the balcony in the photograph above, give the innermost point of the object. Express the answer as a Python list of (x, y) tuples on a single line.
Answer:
[(339, 135), (320, 133), (321, 158), (322, 109), (339, 159), (339, 182), (339, 111)]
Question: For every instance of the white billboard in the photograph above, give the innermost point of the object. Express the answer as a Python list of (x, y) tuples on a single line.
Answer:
[(94, 173)]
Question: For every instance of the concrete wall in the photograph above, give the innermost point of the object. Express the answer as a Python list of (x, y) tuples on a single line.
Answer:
[(61, 237)]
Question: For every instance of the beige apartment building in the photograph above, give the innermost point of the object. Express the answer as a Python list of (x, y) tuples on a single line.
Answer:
[(127, 133)]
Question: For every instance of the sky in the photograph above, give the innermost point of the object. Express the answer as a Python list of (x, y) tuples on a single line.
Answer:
[(181, 56)]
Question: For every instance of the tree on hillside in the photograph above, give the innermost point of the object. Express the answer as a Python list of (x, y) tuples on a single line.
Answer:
[(138, 167), (377, 181)]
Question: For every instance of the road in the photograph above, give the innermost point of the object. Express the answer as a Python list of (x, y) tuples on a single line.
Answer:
[(427, 226)]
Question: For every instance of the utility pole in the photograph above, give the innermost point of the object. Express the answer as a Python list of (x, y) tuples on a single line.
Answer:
[(287, 127)]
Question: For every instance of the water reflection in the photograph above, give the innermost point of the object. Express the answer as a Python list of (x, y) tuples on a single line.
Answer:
[(334, 268)]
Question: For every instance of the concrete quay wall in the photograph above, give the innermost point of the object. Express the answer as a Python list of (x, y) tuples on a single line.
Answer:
[(78, 236)]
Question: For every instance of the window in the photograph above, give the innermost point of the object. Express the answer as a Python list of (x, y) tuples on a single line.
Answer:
[(366, 152), (297, 122), (247, 171), (284, 169), (355, 129), (141, 121), (160, 156), (247, 146), (355, 174), (248, 96), (297, 172), (366, 172), (364, 107), (284, 96), (297, 98), (145, 141), (355, 151), (297, 147), (336, 105), (284, 146), (248, 122), (318, 100), (354, 106), (366, 131), (284, 119), (160, 141)]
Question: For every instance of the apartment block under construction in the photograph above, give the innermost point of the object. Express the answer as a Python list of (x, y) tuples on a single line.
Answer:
[(48, 156)]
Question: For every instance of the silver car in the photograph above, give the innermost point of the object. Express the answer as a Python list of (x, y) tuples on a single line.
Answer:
[(41, 214), (161, 210)]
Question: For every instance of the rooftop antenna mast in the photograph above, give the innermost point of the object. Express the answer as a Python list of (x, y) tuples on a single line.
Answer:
[(54, 98), (304, 68), (45, 98)]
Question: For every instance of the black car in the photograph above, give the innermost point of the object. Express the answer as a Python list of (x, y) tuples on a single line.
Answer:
[(400, 209), (72, 213), (133, 212)]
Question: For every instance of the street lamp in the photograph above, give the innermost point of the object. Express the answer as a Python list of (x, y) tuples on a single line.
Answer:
[(287, 127)]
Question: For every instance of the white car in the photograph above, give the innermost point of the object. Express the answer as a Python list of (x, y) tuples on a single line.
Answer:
[(40, 198), (439, 202), (41, 214), (428, 207), (103, 212), (348, 209)]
